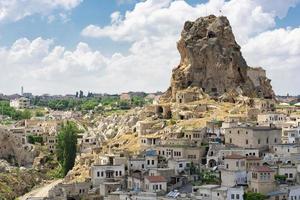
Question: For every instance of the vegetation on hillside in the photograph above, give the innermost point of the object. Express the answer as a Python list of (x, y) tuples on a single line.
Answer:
[(66, 146), (6, 110), (85, 104)]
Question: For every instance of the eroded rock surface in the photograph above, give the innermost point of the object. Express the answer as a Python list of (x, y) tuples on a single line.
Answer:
[(212, 60)]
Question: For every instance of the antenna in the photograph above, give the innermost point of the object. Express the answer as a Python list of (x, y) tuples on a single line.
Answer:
[(22, 90)]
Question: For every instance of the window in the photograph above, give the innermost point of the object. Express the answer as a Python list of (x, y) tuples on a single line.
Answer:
[(180, 165), (275, 140), (227, 166), (143, 166), (160, 187), (258, 141), (246, 141), (117, 173), (230, 140), (120, 173), (98, 174), (267, 141), (152, 162), (237, 163), (237, 196), (102, 174), (148, 162), (232, 196), (290, 175)]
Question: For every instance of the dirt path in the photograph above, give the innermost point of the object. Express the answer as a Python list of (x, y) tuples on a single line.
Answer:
[(41, 191)]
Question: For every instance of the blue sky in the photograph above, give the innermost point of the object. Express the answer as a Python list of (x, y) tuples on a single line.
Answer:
[(110, 48)]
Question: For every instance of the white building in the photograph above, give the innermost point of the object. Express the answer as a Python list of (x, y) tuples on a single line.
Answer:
[(294, 192), (20, 103), (100, 173), (235, 193)]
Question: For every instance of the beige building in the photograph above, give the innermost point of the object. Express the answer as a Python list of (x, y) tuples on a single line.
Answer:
[(261, 179), (186, 96), (266, 119), (155, 184), (234, 171), (253, 137)]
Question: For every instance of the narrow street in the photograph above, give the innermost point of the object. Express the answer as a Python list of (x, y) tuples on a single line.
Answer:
[(41, 191)]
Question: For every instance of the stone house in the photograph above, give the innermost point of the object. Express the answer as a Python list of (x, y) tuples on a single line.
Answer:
[(266, 119), (186, 96), (155, 184), (217, 192), (253, 137), (180, 165), (148, 141), (290, 135), (252, 161), (234, 171), (194, 154), (196, 136), (135, 181), (264, 105), (101, 173), (149, 160), (136, 163), (77, 190), (286, 152), (289, 171), (51, 142), (261, 179), (217, 152)]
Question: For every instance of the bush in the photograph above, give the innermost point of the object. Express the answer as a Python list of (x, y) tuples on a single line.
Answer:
[(32, 139), (254, 196)]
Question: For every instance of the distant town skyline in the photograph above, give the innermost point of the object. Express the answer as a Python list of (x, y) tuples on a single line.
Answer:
[(60, 47)]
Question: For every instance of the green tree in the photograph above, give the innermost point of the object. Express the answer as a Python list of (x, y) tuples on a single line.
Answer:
[(39, 113), (66, 146), (32, 139), (254, 196)]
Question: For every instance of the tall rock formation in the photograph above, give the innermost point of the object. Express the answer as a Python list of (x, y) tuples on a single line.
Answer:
[(212, 61)]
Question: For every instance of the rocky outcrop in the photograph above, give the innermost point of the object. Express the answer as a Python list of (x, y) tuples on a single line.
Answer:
[(14, 149), (212, 60)]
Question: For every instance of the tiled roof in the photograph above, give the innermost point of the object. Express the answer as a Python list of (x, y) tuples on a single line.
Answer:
[(262, 169), (234, 156), (156, 179)]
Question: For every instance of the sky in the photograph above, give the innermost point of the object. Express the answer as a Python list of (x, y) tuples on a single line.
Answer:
[(114, 46)]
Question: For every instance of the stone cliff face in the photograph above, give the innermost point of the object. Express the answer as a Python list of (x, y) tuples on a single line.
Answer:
[(211, 60)]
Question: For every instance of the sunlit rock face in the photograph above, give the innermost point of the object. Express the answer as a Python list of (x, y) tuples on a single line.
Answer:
[(212, 60)]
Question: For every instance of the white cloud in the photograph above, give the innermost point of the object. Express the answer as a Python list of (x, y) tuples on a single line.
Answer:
[(278, 51), (14, 10), (152, 29), (164, 17), (162, 20)]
